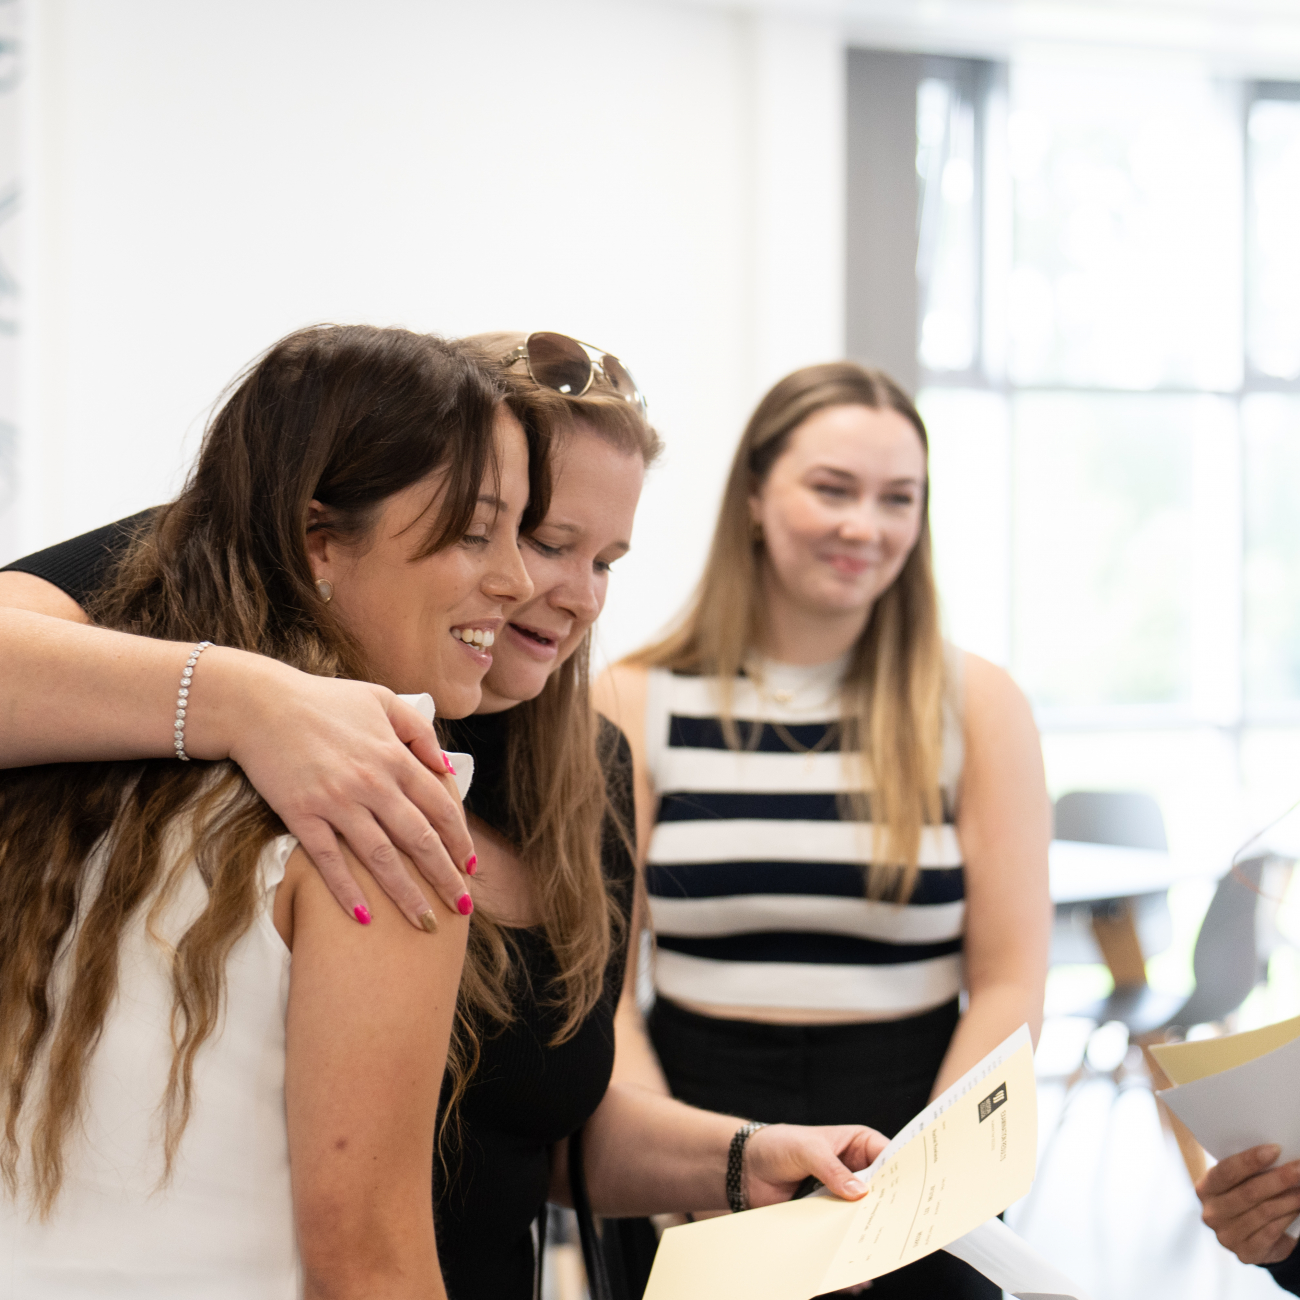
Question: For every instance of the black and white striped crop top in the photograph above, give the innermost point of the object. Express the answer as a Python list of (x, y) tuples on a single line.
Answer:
[(756, 883)]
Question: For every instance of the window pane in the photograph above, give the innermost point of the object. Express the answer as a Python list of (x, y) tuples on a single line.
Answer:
[(947, 254), (1103, 546), (1274, 322), (1272, 580), (1127, 263), (1191, 772)]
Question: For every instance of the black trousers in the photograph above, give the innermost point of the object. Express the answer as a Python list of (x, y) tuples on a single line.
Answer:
[(878, 1074)]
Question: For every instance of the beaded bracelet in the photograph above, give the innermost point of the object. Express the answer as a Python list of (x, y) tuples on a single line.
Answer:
[(736, 1197), (183, 699)]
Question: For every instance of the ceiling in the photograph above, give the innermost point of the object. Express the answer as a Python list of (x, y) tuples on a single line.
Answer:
[(1259, 38)]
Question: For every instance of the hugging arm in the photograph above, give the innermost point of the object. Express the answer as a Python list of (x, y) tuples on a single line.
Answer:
[(332, 757), (1004, 826), (370, 1014)]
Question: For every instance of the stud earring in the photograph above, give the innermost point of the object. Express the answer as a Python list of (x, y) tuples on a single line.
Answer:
[(326, 589)]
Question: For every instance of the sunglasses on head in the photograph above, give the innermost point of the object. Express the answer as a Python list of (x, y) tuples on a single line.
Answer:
[(569, 366)]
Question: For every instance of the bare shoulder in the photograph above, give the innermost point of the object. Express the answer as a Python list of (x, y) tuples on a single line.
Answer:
[(304, 900), (620, 694), (992, 697), (37, 596)]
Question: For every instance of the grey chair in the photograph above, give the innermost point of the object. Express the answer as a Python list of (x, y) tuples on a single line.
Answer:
[(1225, 964), (1126, 818)]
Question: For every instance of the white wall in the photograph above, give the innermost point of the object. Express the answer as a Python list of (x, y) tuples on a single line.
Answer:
[(664, 181)]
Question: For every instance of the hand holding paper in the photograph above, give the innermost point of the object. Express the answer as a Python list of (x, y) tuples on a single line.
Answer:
[(1238, 1092), (960, 1162), (1248, 1201), (778, 1158)]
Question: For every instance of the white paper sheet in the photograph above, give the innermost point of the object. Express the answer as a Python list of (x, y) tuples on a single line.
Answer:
[(1245, 1107), (463, 763), (966, 1084), (994, 1250)]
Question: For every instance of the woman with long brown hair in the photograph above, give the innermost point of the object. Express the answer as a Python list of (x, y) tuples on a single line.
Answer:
[(843, 820), (531, 1046), (187, 1112)]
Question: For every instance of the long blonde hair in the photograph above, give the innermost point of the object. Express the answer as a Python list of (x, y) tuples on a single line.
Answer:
[(892, 694), (557, 764), (347, 415)]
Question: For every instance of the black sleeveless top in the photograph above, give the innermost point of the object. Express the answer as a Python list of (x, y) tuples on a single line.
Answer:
[(525, 1095)]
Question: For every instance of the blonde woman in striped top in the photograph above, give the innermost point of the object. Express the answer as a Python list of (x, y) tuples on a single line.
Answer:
[(843, 820)]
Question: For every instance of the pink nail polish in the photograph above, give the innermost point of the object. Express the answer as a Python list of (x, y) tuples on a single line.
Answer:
[(447, 760), (362, 913), (472, 865), (464, 905)]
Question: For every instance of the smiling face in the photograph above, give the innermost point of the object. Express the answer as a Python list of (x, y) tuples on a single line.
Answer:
[(568, 556), (840, 511), (428, 624)]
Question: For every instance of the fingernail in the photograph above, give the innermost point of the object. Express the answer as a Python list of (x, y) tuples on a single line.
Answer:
[(1269, 1153), (429, 921), (447, 760), (362, 913), (471, 866), (853, 1187), (465, 904)]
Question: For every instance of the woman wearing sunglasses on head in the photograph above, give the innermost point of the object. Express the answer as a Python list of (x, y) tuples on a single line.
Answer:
[(843, 819), (551, 815), (532, 1042), (188, 1111)]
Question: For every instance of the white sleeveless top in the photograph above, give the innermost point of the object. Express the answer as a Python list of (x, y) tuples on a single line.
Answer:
[(223, 1227), (755, 880)]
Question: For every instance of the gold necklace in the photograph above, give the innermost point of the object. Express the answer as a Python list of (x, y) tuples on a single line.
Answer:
[(765, 696), (831, 733)]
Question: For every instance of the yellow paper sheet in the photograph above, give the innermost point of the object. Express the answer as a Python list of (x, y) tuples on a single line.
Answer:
[(1187, 1062), (962, 1161)]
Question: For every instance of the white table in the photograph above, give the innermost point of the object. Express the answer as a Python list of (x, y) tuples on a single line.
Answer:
[(1108, 873), (1088, 873)]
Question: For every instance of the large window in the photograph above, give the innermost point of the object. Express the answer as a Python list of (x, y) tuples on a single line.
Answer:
[(1108, 349)]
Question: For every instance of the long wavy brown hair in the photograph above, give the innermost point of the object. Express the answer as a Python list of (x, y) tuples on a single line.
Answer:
[(891, 699), (345, 415), (557, 762)]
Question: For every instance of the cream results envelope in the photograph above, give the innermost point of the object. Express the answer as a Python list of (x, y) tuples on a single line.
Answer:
[(960, 1162)]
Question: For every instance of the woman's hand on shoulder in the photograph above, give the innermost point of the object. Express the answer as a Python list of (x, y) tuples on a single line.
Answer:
[(339, 758), (781, 1156)]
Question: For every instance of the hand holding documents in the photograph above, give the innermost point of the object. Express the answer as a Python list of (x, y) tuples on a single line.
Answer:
[(1238, 1091), (960, 1162)]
